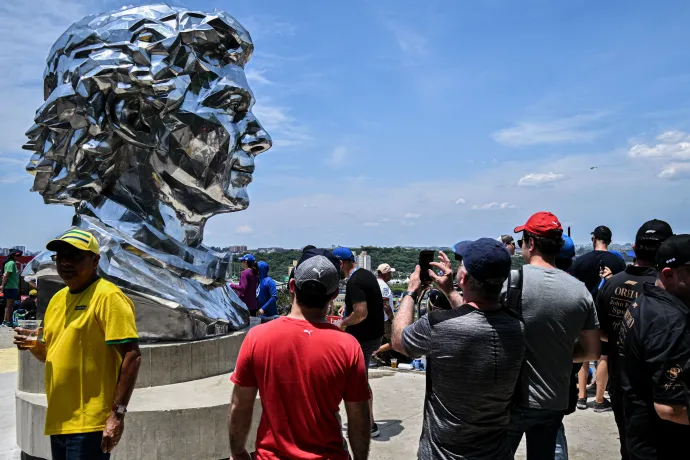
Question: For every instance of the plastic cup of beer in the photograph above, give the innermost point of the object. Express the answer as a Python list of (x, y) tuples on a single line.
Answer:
[(394, 363), (34, 326)]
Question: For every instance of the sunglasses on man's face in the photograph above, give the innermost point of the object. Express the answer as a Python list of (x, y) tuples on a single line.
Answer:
[(73, 257), (512, 243)]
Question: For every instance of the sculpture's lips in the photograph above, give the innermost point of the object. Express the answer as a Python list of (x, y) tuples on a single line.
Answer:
[(245, 169)]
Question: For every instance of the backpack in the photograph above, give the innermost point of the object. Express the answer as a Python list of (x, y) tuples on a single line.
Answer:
[(512, 300)]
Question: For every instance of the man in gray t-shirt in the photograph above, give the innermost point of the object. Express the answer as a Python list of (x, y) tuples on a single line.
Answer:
[(474, 354), (561, 326)]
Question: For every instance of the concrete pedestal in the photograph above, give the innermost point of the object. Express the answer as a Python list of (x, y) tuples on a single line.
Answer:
[(178, 411)]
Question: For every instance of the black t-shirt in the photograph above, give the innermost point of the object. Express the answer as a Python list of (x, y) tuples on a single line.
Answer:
[(363, 287), (655, 338), (586, 267), (28, 304), (613, 301)]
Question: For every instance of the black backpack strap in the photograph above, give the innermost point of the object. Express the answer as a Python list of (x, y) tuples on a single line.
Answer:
[(513, 297), (512, 302)]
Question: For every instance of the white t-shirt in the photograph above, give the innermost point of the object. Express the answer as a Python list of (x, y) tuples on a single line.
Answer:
[(386, 293)]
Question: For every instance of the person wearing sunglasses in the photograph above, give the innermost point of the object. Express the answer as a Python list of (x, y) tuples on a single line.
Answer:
[(90, 348), (561, 327)]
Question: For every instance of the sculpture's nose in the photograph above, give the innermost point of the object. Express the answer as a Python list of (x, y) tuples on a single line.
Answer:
[(255, 139)]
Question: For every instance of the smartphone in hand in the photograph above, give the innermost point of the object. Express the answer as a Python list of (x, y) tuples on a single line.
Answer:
[(425, 258)]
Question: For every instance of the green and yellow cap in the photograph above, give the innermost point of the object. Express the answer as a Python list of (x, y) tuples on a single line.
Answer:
[(80, 239)]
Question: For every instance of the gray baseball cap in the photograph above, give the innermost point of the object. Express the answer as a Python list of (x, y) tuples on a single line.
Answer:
[(317, 272)]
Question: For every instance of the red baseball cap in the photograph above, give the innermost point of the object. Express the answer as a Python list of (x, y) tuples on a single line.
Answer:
[(542, 224)]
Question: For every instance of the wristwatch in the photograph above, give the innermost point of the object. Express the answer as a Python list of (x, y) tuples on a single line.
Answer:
[(119, 410), (412, 294)]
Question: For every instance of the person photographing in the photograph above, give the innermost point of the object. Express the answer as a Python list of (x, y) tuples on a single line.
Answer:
[(477, 347), (90, 348)]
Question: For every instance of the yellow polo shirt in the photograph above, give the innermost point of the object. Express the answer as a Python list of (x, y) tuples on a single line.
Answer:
[(81, 369)]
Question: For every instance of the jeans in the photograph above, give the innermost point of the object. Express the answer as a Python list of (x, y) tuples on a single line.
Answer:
[(541, 427), (561, 445), (78, 446)]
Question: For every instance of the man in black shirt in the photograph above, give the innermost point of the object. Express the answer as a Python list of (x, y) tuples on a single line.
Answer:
[(587, 268), (613, 301), (363, 316), (655, 346)]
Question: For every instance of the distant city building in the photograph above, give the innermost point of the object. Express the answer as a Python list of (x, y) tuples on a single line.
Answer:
[(364, 260), (237, 249), (270, 250), (20, 248), (4, 251), (291, 267)]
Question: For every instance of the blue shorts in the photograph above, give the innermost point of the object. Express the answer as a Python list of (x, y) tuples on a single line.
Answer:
[(78, 446), (11, 293)]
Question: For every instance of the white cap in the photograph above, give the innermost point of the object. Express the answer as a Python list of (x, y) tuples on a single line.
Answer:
[(385, 268)]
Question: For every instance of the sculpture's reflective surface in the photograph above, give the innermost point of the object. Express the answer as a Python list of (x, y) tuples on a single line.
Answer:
[(147, 130)]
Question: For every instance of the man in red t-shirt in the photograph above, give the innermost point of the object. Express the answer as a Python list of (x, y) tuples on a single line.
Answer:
[(302, 367)]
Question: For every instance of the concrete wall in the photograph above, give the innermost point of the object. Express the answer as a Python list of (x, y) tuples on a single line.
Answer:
[(161, 363), (178, 411), (181, 421)]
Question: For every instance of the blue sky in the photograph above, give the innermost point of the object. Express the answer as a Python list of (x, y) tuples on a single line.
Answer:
[(420, 123)]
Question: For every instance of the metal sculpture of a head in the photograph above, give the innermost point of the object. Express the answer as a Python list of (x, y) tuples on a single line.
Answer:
[(149, 106)]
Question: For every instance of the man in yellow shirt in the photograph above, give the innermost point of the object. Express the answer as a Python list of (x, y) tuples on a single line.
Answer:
[(90, 347)]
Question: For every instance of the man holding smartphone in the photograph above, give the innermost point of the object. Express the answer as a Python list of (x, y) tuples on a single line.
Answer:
[(363, 315)]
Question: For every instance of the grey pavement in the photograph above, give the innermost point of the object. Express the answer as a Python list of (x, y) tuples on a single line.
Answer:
[(6, 335), (8, 446), (398, 404)]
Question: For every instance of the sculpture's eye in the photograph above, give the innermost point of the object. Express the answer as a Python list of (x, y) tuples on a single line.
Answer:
[(228, 101)]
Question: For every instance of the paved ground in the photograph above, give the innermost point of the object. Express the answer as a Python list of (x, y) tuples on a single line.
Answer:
[(398, 402)]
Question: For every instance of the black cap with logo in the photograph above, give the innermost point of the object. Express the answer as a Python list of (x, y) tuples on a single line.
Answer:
[(653, 233), (674, 252)]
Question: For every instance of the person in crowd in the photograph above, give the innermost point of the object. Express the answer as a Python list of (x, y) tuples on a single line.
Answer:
[(249, 279), (614, 299), (654, 346), (516, 260), (363, 315), (556, 337), (564, 260), (266, 293), (509, 242), (314, 366), (10, 285), (385, 273), (27, 309), (90, 348), (474, 354), (588, 269)]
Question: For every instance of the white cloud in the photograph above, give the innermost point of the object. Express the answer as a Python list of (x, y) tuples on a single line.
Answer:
[(407, 223), (675, 171), (338, 156), (257, 77), (284, 130), (535, 179), (460, 201), (672, 145), (371, 224), (411, 215), (243, 229), (565, 130), (412, 44), (493, 205)]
